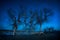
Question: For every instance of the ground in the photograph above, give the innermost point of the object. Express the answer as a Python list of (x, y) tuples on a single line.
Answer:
[(45, 36)]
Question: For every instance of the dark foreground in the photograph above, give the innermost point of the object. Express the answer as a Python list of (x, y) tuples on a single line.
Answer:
[(45, 36)]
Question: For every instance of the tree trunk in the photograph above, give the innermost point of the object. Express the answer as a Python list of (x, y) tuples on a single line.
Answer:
[(40, 28)]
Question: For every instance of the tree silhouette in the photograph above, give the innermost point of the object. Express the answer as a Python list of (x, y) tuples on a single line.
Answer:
[(43, 16), (14, 20), (31, 21)]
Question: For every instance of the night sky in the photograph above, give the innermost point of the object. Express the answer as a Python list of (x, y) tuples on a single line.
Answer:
[(29, 4)]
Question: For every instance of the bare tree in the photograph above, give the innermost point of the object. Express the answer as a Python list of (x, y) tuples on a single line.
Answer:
[(31, 24), (14, 20), (43, 16)]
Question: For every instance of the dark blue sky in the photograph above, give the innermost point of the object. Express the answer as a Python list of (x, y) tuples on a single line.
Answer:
[(30, 4)]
